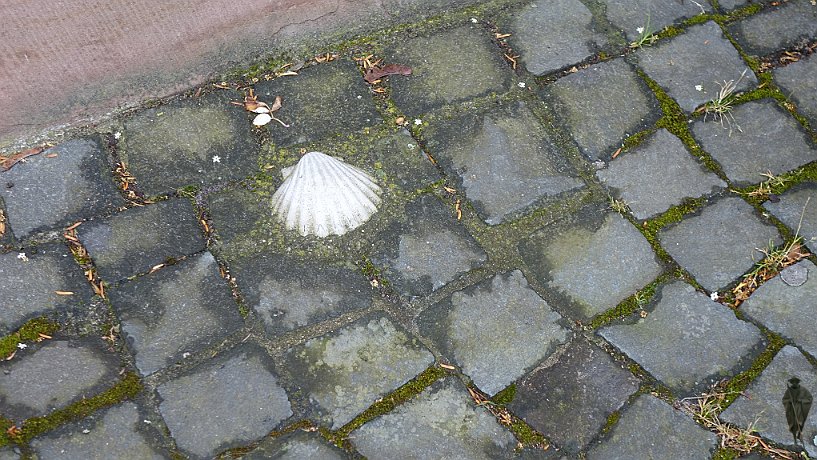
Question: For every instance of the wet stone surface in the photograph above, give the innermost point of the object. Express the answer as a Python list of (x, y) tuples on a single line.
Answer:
[(53, 376), (201, 141), (687, 341), (751, 145), (297, 445), (658, 174), (58, 187), (553, 35), (650, 428), (797, 209), (466, 52), (345, 372), (226, 402), (761, 405), (602, 105), (567, 259), (570, 401), (701, 56), (31, 280), (137, 239), (440, 422), (517, 329), (717, 245), (234, 214), (630, 15), (787, 309), (790, 24), (321, 100), (506, 159), (175, 311), (288, 294), (109, 432), (798, 81)]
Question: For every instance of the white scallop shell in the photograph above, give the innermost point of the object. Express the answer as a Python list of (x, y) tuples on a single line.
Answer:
[(322, 195)]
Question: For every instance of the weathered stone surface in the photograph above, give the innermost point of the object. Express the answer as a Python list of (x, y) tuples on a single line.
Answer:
[(506, 159), (296, 446), (345, 372), (797, 209), (466, 52), (761, 406), (517, 329), (701, 56), (8, 454), (137, 239), (761, 138), (688, 341), (658, 174), (112, 432), (788, 309), (553, 35), (717, 245), (568, 260), (230, 401), (650, 428), (288, 294), (428, 249), (791, 23), (570, 401), (31, 280), (199, 141), (602, 105), (48, 191), (235, 212), (52, 377), (798, 81), (630, 15), (440, 422), (176, 310), (321, 100)]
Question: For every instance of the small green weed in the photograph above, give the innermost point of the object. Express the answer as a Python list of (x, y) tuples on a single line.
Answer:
[(721, 105), (620, 206), (646, 36)]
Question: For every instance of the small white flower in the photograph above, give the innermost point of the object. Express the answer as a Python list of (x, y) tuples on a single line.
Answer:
[(640, 30), (699, 87), (474, 20), (216, 159), (117, 135), (186, 354), (521, 84), (411, 146), (86, 431), (714, 296), (418, 121), (22, 256), (22, 346), (147, 421)]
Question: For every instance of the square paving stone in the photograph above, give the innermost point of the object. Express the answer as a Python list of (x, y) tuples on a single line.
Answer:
[(602, 105), (111, 432), (799, 82), (516, 330), (8, 454), (448, 67), (227, 402), (288, 294), (426, 250), (552, 35), (761, 403), (55, 375), (597, 261), (797, 209), (658, 174), (506, 159), (701, 56), (687, 341), (298, 445), (321, 100), (786, 304), (176, 310), (347, 371), (201, 141), (58, 187), (652, 429), (236, 212), (137, 239), (569, 402), (769, 140), (31, 279), (791, 23), (652, 16), (440, 422)]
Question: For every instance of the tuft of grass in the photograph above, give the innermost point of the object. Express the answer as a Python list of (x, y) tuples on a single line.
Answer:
[(720, 107), (646, 36), (620, 206), (768, 186)]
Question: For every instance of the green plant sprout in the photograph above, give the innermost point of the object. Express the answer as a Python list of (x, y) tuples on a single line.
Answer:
[(646, 36), (721, 105)]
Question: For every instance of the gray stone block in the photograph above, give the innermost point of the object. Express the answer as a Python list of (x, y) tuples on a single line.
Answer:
[(137, 239), (658, 174), (699, 57), (797, 209), (651, 15), (516, 330), (58, 187), (787, 24), (230, 401), (298, 445), (176, 310), (235, 212), (799, 82), (687, 341), (440, 422), (719, 244), (758, 138), (7, 453), (345, 372)]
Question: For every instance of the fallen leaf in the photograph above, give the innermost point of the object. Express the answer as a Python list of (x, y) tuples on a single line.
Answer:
[(9, 162), (262, 119), (376, 73), (447, 366), (63, 293), (52, 155), (616, 153), (276, 104)]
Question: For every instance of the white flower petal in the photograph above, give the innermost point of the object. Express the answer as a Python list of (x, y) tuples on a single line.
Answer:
[(262, 119)]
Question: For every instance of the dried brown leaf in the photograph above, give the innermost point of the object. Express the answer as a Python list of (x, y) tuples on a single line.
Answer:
[(376, 73), (9, 162)]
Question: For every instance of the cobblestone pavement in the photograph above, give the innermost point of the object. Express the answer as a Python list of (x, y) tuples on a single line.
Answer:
[(584, 239)]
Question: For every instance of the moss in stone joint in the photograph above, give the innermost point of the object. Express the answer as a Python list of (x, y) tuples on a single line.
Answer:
[(505, 396), (612, 420), (738, 383), (629, 305), (725, 453), (527, 436), (28, 332)]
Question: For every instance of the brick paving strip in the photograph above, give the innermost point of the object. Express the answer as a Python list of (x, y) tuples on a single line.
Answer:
[(574, 255)]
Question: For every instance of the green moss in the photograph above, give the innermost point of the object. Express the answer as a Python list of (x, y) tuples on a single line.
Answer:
[(505, 396), (527, 436), (28, 332), (725, 453), (738, 383), (612, 420), (5, 424), (629, 305)]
